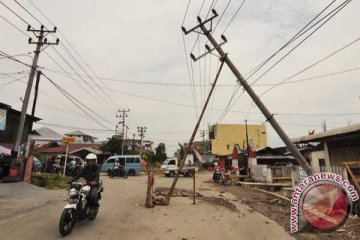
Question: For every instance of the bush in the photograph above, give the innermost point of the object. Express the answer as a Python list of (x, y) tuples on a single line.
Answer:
[(50, 181)]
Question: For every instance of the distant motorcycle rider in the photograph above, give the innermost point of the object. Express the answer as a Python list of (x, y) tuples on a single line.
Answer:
[(91, 174)]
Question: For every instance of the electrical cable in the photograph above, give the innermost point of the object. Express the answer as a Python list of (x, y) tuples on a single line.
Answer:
[(80, 57), (237, 11), (312, 65), (74, 100), (295, 37), (14, 26), (28, 12), (302, 41), (22, 19)]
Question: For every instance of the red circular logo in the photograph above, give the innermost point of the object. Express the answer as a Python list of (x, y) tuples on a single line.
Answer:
[(325, 206)]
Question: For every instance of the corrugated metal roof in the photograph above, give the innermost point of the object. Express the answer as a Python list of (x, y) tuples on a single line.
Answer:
[(47, 132), (331, 133)]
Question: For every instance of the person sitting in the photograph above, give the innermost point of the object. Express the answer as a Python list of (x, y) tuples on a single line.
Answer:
[(91, 174)]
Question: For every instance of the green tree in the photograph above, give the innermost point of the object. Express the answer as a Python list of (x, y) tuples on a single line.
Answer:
[(160, 153), (112, 146), (180, 151)]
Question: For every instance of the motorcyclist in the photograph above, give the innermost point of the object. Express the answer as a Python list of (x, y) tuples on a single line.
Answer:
[(216, 174), (91, 174), (116, 167)]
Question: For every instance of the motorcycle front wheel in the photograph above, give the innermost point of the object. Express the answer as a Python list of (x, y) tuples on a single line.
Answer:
[(67, 221), (91, 214), (228, 182), (110, 174), (125, 175)]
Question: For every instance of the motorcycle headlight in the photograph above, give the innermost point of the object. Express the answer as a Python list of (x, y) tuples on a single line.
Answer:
[(72, 192)]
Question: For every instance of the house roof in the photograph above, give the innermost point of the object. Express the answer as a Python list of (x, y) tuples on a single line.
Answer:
[(78, 133), (47, 132), (333, 133), (89, 149), (72, 147), (8, 107)]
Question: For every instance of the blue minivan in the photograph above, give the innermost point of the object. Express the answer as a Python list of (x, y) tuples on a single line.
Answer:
[(132, 164)]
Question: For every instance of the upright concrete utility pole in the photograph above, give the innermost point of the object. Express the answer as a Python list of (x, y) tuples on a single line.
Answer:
[(123, 115), (40, 34), (202, 134), (269, 117), (141, 131), (133, 144)]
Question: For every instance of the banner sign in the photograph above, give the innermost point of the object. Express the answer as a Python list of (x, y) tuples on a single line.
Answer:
[(2, 119)]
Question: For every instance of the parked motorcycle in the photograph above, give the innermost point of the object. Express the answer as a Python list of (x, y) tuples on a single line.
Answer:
[(117, 172), (77, 208), (223, 177), (73, 169), (53, 168)]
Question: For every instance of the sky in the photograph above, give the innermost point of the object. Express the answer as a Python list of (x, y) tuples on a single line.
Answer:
[(116, 55)]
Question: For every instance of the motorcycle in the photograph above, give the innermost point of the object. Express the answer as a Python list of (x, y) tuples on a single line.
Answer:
[(73, 170), (77, 208), (225, 178), (53, 168), (222, 176), (117, 172)]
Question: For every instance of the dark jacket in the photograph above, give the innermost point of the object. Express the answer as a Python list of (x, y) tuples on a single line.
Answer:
[(89, 173)]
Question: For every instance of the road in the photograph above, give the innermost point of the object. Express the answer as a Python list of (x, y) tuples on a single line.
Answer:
[(123, 216)]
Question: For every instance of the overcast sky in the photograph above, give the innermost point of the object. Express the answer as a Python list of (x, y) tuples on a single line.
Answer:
[(134, 53)]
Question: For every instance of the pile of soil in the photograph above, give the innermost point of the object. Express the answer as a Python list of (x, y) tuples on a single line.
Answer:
[(221, 202)]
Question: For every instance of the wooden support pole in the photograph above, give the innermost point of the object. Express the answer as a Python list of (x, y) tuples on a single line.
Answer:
[(194, 192)]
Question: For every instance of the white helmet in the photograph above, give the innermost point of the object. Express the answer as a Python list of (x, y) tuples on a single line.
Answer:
[(91, 156), (215, 164)]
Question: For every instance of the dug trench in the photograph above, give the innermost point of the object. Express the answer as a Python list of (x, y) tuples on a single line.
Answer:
[(278, 210)]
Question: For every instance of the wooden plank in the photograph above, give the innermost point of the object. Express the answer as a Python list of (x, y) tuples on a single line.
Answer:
[(273, 194), (281, 178), (265, 184), (352, 175)]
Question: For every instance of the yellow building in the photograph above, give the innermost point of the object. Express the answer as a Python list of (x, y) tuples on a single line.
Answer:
[(223, 137)]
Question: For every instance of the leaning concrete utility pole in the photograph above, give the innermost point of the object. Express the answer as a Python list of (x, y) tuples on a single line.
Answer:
[(269, 117), (187, 149), (41, 42)]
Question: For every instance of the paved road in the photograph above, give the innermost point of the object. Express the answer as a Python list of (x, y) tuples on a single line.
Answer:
[(123, 216)]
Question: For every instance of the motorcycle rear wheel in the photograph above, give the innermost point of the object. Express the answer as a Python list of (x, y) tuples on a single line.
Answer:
[(67, 221)]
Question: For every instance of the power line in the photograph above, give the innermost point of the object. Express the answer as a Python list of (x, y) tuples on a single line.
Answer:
[(74, 100), (73, 69), (81, 58), (73, 127), (295, 37), (221, 16), (237, 11), (216, 109), (339, 8), (28, 12), (312, 65), (15, 13), (186, 11), (14, 26), (77, 83)]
